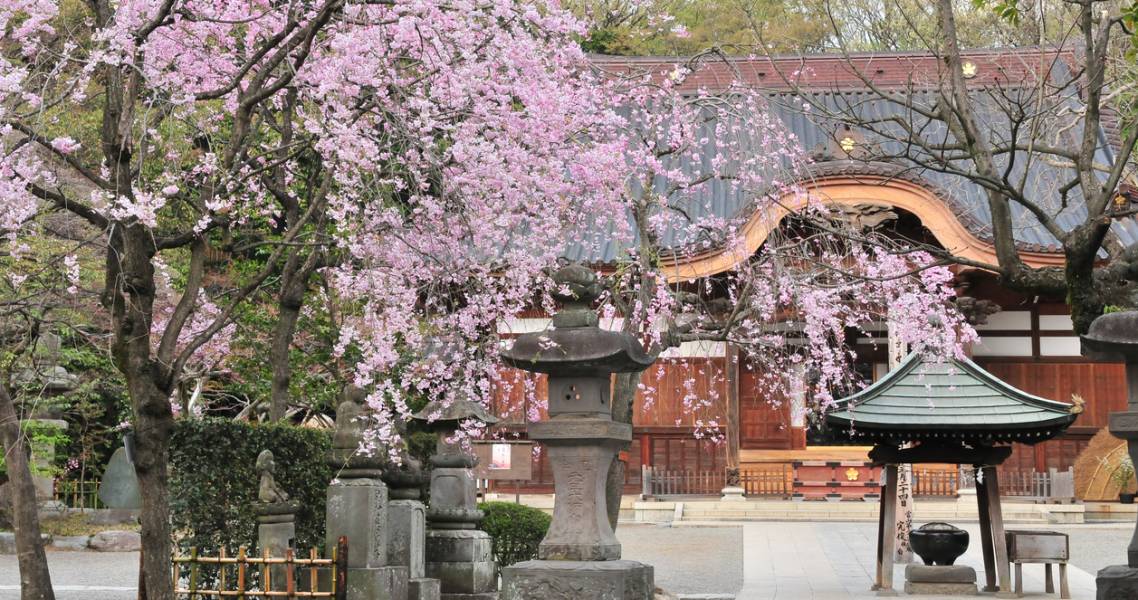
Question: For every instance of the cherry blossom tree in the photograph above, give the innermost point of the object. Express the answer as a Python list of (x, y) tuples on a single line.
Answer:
[(430, 132), (788, 307)]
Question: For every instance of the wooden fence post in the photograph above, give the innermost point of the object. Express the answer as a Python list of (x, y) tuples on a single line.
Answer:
[(241, 565), (340, 558)]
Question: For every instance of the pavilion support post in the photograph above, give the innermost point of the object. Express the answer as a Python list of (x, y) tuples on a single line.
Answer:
[(986, 534), (888, 540), (877, 578), (1003, 568)]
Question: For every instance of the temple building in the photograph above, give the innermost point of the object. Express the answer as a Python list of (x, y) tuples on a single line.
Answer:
[(1027, 341)]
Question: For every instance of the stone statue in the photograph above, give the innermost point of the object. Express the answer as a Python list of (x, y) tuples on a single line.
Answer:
[(349, 426), (269, 492)]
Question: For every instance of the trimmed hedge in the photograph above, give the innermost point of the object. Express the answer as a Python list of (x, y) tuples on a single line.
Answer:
[(213, 482), (516, 530)]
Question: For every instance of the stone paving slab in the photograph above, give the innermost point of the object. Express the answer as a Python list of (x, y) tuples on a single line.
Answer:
[(835, 561)]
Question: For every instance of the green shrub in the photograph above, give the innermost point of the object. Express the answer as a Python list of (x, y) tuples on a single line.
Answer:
[(213, 482), (516, 530)]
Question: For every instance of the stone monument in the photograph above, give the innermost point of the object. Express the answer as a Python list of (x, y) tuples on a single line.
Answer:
[(1114, 337), (357, 508), (407, 527), (458, 554), (119, 488), (580, 556), (276, 518)]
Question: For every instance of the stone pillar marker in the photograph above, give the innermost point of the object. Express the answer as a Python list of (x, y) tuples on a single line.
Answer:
[(580, 556), (357, 509), (407, 528), (458, 554), (276, 518), (1114, 337)]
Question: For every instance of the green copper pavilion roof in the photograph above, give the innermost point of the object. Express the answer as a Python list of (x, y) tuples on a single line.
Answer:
[(954, 400)]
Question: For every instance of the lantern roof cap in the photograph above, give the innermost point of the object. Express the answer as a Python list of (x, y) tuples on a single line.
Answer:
[(574, 344), (1113, 336), (441, 412)]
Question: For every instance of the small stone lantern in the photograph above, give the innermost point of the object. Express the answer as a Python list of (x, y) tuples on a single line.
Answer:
[(580, 556), (1114, 337), (457, 553)]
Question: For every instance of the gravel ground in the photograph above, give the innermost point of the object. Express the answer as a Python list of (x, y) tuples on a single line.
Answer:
[(688, 560)]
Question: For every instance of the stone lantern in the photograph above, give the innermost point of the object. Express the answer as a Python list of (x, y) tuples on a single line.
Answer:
[(1114, 337), (458, 554), (580, 556)]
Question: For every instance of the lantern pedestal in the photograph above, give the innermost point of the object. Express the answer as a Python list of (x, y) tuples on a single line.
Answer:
[(458, 554), (577, 579)]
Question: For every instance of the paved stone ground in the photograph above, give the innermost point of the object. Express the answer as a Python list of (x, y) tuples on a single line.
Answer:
[(80, 575), (834, 561), (688, 560), (755, 560)]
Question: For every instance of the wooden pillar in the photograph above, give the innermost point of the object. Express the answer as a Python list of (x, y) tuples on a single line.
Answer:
[(986, 533), (1003, 568), (732, 416), (880, 544), (888, 540)]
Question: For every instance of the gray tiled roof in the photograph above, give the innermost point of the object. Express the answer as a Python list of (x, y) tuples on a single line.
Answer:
[(813, 129), (954, 398)]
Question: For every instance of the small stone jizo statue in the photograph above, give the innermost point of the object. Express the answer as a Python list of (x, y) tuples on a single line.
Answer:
[(269, 492)]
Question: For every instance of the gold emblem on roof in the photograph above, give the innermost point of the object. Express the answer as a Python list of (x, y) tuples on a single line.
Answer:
[(847, 144), (852, 474), (968, 69)]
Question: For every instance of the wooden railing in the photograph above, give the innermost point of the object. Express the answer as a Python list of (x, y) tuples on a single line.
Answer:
[(777, 480), (665, 482), (78, 494), (243, 576), (774, 481), (936, 482), (1050, 484)]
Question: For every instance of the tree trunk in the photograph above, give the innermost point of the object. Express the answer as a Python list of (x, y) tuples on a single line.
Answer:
[(279, 358), (130, 293), (294, 285), (1083, 294), (35, 580), (151, 444), (624, 393)]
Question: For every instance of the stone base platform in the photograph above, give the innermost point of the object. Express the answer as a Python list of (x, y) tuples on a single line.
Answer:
[(574, 580), (941, 589), (423, 589), (377, 583), (1117, 582), (463, 562), (945, 580)]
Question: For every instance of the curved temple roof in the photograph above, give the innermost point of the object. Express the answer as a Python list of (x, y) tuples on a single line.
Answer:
[(954, 400)]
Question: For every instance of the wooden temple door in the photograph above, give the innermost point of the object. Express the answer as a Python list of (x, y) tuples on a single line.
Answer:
[(762, 425)]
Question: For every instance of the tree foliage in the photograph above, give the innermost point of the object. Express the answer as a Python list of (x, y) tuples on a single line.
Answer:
[(213, 482), (516, 530)]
